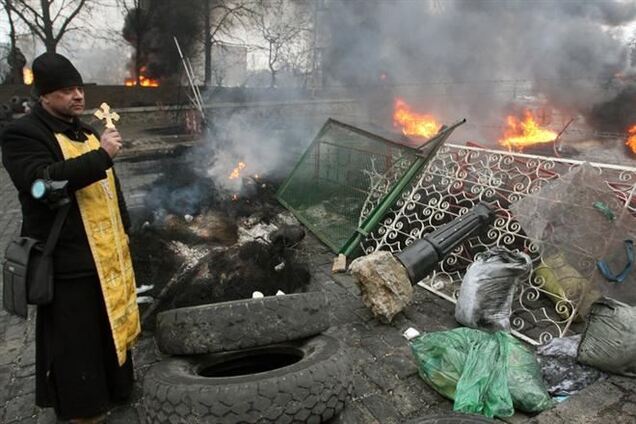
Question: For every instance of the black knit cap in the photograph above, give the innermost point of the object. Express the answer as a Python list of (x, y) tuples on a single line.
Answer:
[(52, 71)]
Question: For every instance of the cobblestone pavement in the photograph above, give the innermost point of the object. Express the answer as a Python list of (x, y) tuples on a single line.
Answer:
[(387, 387)]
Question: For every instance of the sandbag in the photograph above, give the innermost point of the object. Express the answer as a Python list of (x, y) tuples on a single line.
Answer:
[(609, 341), (562, 281), (485, 296), (485, 373)]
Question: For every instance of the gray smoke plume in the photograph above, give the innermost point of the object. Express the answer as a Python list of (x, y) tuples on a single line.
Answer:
[(469, 58), (150, 28)]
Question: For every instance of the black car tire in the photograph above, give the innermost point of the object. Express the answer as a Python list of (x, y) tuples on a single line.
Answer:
[(454, 418), (251, 386), (242, 324)]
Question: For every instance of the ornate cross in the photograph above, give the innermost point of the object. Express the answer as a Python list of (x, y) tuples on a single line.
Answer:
[(104, 113)]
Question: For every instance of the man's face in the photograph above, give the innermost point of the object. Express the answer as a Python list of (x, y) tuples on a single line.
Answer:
[(65, 102)]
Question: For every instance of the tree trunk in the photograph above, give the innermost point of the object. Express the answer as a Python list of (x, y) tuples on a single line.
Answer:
[(49, 40), (272, 69), (11, 25), (207, 43)]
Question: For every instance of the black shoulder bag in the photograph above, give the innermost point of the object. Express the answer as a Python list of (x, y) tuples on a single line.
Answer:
[(27, 271)]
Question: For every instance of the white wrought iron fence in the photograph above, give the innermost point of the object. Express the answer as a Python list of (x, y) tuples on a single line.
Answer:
[(458, 178)]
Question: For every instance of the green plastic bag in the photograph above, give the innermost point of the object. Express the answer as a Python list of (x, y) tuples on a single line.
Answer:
[(485, 373)]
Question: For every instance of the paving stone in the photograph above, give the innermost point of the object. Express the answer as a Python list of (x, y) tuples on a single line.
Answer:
[(364, 314), (629, 408), (25, 371), (355, 413), (20, 407), (426, 394), (10, 352), (403, 366), (362, 386), (406, 402), (584, 406), (382, 409), (46, 416), (383, 378), (123, 415), (22, 385), (625, 383), (375, 346)]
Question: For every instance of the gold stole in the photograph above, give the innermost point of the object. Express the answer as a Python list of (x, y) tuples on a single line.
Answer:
[(109, 246)]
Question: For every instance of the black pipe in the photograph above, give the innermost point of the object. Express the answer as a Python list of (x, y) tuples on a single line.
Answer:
[(421, 257)]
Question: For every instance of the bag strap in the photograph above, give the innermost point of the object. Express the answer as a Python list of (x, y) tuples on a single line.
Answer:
[(621, 276), (51, 241), (60, 217)]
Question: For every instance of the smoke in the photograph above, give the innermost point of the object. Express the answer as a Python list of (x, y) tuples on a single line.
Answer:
[(470, 58), (150, 29), (266, 142)]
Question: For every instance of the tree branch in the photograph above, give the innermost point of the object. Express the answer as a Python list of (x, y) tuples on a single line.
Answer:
[(68, 20)]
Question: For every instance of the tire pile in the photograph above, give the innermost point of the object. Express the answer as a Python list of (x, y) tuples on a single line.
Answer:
[(15, 106), (258, 360)]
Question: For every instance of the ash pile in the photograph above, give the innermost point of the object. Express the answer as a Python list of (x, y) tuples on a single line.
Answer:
[(195, 242)]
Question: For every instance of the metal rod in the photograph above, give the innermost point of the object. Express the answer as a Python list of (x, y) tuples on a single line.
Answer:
[(555, 144), (389, 200), (190, 77)]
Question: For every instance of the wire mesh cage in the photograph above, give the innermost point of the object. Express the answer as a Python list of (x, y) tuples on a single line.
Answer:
[(343, 172)]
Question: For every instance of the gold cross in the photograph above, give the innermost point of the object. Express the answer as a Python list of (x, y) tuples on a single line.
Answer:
[(101, 227), (106, 188), (104, 113), (112, 279)]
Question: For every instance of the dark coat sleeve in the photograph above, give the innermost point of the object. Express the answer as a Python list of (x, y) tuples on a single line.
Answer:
[(27, 151)]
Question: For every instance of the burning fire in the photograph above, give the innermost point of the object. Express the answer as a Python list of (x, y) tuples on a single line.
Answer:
[(414, 123), (631, 139), (236, 172), (144, 81), (519, 133), (27, 75)]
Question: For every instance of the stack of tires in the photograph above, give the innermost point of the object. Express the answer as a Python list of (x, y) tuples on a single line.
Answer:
[(15, 106), (248, 361)]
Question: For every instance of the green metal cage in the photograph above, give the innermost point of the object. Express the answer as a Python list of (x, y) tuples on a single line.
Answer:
[(341, 176)]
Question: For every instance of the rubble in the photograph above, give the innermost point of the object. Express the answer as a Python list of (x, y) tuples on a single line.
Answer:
[(384, 283)]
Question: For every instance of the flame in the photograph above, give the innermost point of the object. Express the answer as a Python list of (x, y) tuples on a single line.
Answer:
[(631, 139), (236, 172), (27, 75), (234, 197), (525, 133), (414, 123), (144, 81)]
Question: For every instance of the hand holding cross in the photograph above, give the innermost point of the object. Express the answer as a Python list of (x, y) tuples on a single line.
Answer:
[(111, 139), (104, 113)]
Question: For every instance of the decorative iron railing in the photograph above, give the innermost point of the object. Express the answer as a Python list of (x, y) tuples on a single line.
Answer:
[(458, 178)]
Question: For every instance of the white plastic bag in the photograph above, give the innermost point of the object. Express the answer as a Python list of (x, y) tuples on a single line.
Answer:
[(485, 296)]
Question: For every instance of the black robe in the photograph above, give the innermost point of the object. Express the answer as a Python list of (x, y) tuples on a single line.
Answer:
[(76, 365)]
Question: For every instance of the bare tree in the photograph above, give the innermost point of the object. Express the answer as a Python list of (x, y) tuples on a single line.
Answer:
[(220, 20), (15, 58), (283, 29), (47, 20)]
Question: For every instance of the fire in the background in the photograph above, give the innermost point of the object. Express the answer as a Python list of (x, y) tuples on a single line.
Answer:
[(631, 138), (413, 123), (236, 172), (522, 133), (27, 75), (144, 81)]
